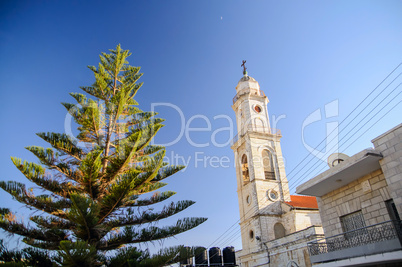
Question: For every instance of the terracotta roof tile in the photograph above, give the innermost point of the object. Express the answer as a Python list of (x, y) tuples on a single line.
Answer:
[(303, 202)]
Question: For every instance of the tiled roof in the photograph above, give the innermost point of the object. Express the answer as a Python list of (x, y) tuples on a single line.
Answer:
[(303, 202)]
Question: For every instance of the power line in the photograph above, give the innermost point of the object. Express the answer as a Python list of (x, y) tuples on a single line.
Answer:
[(348, 123), (242, 217), (349, 115), (224, 237), (304, 174), (369, 127)]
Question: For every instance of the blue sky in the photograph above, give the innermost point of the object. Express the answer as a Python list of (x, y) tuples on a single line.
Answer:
[(304, 54)]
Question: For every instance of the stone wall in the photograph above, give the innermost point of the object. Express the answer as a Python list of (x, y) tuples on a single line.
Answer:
[(292, 247), (306, 218), (367, 194), (390, 146)]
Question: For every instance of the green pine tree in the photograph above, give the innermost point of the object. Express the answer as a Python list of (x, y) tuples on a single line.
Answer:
[(94, 188)]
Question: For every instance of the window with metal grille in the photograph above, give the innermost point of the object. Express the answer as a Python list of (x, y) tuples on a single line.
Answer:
[(351, 222)]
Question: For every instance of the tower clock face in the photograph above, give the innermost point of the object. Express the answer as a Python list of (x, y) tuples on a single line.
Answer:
[(257, 109)]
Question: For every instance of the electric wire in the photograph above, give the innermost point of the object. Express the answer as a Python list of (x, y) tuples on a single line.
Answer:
[(242, 217), (244, 227), (309, 171), (319, 171), (349, 114), (347, 124), (238, 233), (221, 239)]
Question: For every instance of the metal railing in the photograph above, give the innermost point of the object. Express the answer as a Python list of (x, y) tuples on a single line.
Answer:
[(257, 130), (248, 91), (363, 236)]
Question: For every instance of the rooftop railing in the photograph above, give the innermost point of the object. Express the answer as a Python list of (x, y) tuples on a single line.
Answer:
[(248, 91), (373, 239)]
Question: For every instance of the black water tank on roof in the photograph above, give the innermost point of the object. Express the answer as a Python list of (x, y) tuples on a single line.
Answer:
[(186, 256), (215, 257), (201, 257), (229, 258)]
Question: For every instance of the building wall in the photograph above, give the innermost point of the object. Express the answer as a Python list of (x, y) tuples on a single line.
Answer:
[(366, 194), (306, 218), (293, 220), (250, 245), (390, 146), (292, 247)]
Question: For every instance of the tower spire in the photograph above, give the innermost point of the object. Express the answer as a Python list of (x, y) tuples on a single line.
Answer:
[(244, 67)]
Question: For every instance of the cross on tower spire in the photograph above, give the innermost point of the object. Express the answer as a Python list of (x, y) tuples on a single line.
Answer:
[(244, 67)]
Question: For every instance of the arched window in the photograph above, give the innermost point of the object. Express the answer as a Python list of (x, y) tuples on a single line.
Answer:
[(251, 234), (244, 168), (279, 230), (268, 164)]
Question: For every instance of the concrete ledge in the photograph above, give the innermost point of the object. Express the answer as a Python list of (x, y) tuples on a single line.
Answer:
[(369, 249), (344, 173), (389, 257)]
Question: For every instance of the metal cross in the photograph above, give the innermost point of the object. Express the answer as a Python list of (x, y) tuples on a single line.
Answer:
[(244, 65)]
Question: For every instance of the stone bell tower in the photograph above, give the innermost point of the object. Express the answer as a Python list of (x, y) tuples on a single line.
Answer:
[(261, 179)]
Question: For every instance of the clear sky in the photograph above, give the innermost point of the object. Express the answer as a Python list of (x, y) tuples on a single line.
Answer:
[(304, 54)]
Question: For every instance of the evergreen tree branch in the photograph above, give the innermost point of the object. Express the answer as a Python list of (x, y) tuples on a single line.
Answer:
[(52, 160), (147, 217), (36, 174), (84, 213), (132, 201), (90, 168), (151, 186), (78, 253), (63, 143), (52, 222), (41, 244), (9, 223), (130, 236), (42, 202), (118, 191)]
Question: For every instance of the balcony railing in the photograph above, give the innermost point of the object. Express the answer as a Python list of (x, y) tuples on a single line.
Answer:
[(377, 238), (248, 91), (257, 130)]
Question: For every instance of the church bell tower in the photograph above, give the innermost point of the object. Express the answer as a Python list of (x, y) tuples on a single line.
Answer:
[(261, 179)]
